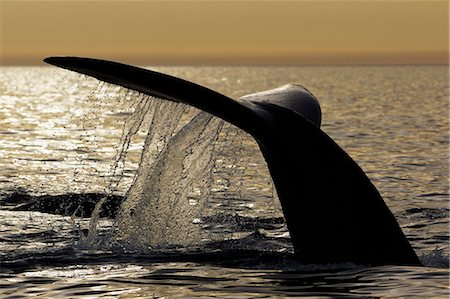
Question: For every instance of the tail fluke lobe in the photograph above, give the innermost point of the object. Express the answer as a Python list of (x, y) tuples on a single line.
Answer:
[(242, 114)]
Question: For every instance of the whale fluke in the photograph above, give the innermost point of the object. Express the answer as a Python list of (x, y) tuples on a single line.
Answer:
[(333, 212)]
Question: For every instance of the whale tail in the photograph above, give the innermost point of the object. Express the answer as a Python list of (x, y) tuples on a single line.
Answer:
[(333, 212)]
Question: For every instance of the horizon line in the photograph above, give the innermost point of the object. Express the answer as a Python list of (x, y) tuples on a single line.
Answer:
[(228, 62), (269, 59), (43, 64)]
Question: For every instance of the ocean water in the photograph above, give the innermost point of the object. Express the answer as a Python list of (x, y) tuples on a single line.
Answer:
[(67, 138)]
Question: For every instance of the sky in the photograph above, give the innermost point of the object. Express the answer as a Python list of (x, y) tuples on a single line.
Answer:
[(213, 32)]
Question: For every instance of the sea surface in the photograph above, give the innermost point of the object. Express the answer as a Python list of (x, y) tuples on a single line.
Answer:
[(72, 147)]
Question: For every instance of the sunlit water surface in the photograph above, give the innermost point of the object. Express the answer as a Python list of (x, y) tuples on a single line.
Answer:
[(61, 134)]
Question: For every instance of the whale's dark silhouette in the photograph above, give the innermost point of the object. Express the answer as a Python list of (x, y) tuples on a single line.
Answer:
[(333, 212)]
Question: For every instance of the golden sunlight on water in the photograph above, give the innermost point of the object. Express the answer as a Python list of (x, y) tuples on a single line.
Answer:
[(60, 133)]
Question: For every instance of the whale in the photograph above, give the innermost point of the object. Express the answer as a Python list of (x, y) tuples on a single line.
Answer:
[(333, 212)]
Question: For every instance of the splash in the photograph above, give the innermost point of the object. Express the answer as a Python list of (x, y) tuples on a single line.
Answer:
[(164, 204), (192, 166)]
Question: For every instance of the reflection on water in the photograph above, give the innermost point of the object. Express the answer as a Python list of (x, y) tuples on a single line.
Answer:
[(193, 279), (41, 257), (60, 133)]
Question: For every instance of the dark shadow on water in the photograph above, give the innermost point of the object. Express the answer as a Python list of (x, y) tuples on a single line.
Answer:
[(276, 273), (265, 273), (245, 259), (271, 272), (69, 204)]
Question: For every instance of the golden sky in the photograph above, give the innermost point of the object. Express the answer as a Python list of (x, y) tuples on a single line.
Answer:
[(227, 32)]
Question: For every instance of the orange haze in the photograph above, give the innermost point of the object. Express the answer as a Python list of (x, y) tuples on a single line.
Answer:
[(227, 32)]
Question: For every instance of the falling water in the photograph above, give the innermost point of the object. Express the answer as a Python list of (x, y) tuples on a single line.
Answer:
[(191, 163), (163, 205)]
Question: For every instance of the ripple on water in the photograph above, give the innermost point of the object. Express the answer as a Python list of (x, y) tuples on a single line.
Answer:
[(59, 137), (198, 280)]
